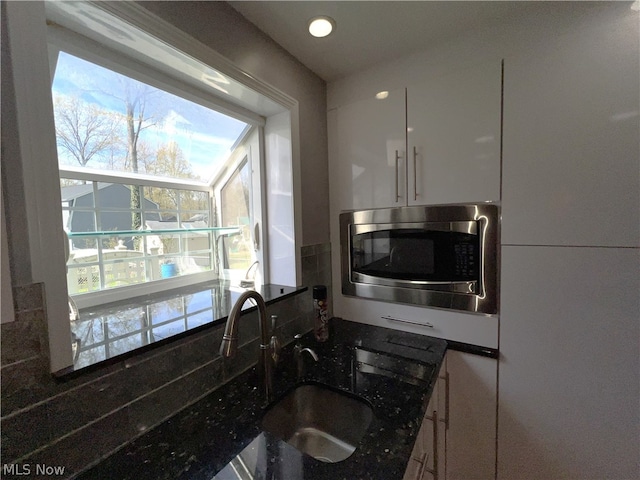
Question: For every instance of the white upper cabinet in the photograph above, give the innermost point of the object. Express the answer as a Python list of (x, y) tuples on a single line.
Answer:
[(453, 132), (369, 160), (572, 140), (448, 152)]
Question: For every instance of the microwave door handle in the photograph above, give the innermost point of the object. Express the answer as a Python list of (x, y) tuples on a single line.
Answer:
[(397, 175), (415, 174), (461, 227)]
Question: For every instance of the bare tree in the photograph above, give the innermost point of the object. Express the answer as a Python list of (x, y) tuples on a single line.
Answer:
[(83, 129), (134, 95)]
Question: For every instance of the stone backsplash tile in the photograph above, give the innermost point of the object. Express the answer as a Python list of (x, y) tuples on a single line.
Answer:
[(323, 266), (153, 372), (23, 384), (159, 405), (308, 250), (313, 250), (202, 348), (249, 327), (207, 377), (20, 340), (309, 267), (246, 356), (299, 324), (78, 407), (24, 432), (84, 447), (28, 297)]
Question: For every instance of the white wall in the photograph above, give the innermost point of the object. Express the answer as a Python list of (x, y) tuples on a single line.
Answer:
[(220, 27), (6, 313), (11, 168), (280, 196)]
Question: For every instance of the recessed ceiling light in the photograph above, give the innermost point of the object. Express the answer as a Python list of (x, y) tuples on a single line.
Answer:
[(321, 26)]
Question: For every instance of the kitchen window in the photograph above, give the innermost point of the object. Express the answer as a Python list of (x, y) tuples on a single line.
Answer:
[(235, 210), (115, 36), (136, 158)]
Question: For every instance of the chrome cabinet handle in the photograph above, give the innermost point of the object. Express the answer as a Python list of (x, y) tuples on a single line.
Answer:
[(445, 420), (446, 400), (435, 445), (423, 466), (397, 175), (415, 174), (401, 320)]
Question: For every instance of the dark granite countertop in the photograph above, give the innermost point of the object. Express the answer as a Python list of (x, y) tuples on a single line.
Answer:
[(202, 440)]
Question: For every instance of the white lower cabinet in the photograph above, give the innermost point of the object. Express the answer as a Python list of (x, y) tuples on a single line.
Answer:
[(471, 432), (428, 458), (457, 438)]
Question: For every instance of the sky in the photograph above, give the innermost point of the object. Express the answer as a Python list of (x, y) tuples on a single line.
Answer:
[(204, 135)]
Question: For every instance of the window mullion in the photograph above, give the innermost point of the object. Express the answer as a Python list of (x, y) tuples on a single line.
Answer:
[(105, 334), (212, 221), (179, 217), (77, 173), (98, 240), (146, 261)]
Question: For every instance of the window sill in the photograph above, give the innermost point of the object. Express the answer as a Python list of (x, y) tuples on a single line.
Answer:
[(114, 332)]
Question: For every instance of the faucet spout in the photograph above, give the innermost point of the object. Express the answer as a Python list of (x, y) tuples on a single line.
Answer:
[(297, 354), (229, 344), (313, 354)]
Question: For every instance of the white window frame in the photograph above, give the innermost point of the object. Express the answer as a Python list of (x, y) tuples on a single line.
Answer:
[(27, 32), (61, 39), (112, 295), (251, 152)]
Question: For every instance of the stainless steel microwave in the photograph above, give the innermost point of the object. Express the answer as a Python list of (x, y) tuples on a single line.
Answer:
[(443, 256)]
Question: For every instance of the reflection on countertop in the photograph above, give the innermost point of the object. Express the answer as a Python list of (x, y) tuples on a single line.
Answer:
[(104, 332)]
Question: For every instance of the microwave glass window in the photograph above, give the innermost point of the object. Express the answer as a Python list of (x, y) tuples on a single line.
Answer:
[(416, 255)]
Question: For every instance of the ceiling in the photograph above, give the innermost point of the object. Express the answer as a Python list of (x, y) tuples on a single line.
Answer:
[(369, 32)]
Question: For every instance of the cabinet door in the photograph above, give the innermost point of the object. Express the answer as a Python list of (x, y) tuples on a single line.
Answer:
[(369, 161), (423, 451), (427, 458), (472, 404), (440, 467), (572, 140), (569, 384), (454, 137)]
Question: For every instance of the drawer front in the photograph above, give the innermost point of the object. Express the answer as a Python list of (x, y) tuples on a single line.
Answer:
[(474, 329)]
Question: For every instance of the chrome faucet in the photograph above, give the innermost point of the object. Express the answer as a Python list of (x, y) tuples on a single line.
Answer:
[(229, 344), (297, 355)]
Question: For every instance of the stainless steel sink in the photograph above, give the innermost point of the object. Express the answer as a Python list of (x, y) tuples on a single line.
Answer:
[(321, 422)]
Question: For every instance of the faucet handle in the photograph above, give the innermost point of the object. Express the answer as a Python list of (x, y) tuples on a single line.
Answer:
[(298, 345), (274, 345)]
